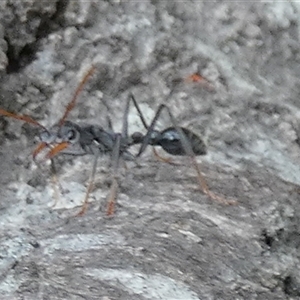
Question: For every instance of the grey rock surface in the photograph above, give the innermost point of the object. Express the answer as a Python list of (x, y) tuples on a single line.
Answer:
[(167, 240)]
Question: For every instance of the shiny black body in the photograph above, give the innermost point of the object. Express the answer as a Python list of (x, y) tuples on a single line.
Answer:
[(170, 140), (86, 139), (93, 139)]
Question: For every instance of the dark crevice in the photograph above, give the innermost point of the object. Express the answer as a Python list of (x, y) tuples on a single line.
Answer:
[(26, 55), (267, 238), (291, 287), (46, 27)]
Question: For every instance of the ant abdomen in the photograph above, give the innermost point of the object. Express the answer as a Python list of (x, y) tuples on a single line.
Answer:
[(170, 140)]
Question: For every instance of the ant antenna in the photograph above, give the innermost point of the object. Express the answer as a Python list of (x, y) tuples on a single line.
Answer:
[(24, 118), (72, 103)]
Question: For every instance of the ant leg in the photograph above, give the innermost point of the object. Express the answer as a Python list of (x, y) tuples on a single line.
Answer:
[(90, 186), (150, 129), (125, 124), (55, 182), (24, 118), (156, 155), (125, 118), (115, 158), (167, 160), (139, 111), (188, 150), (110, 126)]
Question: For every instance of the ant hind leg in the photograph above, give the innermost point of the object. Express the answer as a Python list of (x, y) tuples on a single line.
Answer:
[(190, 153), (186, 145), (166, 160)]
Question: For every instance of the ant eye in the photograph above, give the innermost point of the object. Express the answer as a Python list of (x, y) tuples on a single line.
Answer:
[(44, 136), (72, 135)]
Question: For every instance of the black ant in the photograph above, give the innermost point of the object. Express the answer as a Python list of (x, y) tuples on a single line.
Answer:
[(67, 137)]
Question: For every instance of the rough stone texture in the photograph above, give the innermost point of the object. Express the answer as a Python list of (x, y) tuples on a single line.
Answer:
[(167, 240)]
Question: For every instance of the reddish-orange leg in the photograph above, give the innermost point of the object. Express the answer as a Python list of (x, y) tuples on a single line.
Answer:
[(112, 198), (187, 149), (166, 160), (24, 118), (90, 187), (204, 187)]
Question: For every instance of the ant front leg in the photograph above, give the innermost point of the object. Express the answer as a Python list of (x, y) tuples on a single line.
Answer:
[(185, 147)]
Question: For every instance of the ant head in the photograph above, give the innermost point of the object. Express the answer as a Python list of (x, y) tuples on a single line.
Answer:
[(68, 132), (58, 138)]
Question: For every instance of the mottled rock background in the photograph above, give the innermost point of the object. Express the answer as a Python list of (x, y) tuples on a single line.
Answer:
[(167, 240)]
